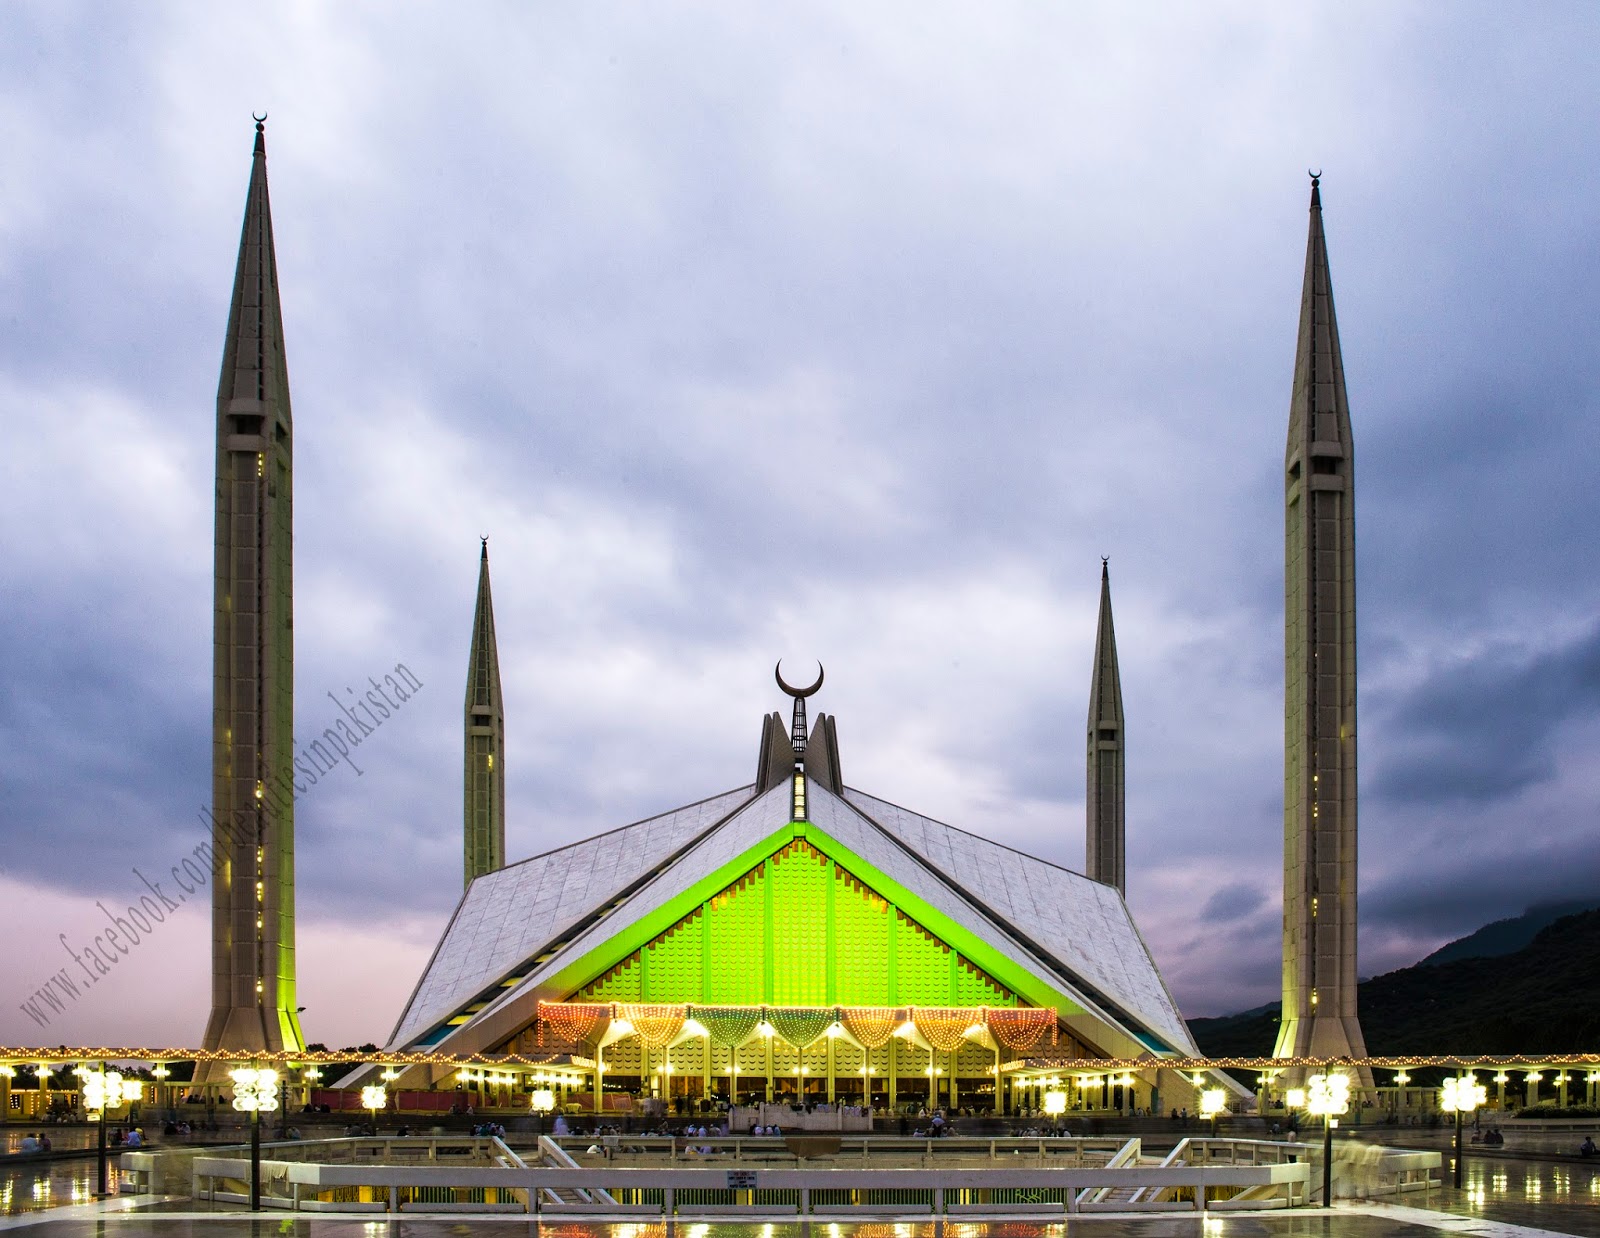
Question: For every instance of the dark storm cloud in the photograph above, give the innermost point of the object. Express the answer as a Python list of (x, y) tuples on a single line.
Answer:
[(101, 761), (1481, 727), (1232, 902), (1493, 880)]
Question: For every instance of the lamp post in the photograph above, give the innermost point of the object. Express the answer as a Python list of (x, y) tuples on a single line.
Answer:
[(1212, 1103), (1329, 1096), (103, 1090), (254, 1092), (97, 1096), (373, 1098), (541, 1102), (1460, 1095)]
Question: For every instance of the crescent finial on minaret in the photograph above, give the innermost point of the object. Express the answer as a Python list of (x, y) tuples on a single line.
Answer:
[(797, 693)]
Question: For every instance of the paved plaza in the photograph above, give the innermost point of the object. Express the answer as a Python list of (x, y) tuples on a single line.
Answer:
[(1505, 1197), (1364, 1222)]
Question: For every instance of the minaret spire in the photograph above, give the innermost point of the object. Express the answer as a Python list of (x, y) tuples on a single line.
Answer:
[(1319, 769), (484, 788), (1105, 796), (253, 1002)]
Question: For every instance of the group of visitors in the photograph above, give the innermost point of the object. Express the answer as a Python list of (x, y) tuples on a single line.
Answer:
[(1491, 1138), (34, 1142)]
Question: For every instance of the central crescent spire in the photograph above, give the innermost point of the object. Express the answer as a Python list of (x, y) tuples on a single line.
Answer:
[(797, 737)]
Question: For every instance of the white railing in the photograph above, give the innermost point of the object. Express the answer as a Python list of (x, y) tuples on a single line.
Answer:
[(690, 1192)]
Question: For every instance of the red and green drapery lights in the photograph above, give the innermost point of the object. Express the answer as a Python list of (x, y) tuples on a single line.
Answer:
[(661, 1024)]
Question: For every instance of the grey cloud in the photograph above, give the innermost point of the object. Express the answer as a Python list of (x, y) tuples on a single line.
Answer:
[(1231, 902), (1482, 880), (1480, 728)]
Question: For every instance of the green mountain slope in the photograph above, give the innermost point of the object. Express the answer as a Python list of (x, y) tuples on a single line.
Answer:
[(1544, 998), (1508, 936)]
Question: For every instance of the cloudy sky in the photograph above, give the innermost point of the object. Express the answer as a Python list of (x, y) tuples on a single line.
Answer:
[(844, 331)]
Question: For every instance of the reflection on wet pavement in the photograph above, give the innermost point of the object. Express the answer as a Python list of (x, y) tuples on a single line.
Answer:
[(1556, 1195)]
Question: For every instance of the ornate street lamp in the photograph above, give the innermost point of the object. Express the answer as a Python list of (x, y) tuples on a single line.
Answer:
[(373, 1098), (1328, 1096), (1213, 1101), (1460, 1095), (102, 1090), (541, 1102), (254, 1092)]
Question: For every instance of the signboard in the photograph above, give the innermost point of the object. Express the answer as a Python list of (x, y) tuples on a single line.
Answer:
[(741, 1179)]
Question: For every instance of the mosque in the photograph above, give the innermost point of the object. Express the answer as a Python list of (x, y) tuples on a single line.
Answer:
[(793, 937)]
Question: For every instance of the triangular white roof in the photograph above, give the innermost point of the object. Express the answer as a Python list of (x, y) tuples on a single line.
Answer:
[(1081, 926), (507, 916), (516, 930)]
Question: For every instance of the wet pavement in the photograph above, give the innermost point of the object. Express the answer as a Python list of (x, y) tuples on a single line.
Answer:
[(1338, 1223), (1545, 1189)]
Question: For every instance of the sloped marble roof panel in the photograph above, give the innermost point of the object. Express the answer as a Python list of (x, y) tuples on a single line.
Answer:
[(756, 821), (1084, 924), (507, 915)]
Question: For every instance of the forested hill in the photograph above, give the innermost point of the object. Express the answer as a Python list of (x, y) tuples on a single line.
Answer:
[(1544, 998)]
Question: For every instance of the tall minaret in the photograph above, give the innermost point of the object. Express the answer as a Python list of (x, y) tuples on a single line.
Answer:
[(483, 780), (252, 740), (1319, 755), (1105, 796)]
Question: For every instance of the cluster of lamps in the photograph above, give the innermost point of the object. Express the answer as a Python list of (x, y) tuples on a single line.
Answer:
[(254, 1090), (107, 1089)]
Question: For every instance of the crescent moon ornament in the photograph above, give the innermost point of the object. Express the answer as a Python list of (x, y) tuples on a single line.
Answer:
[(1316, 176), (798, 693), (260, 120)]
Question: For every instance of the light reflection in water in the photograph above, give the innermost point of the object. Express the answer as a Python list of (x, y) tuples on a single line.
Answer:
[(32, 1187)]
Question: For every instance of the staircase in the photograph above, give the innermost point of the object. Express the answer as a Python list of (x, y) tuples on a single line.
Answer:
[(553, 1155)]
